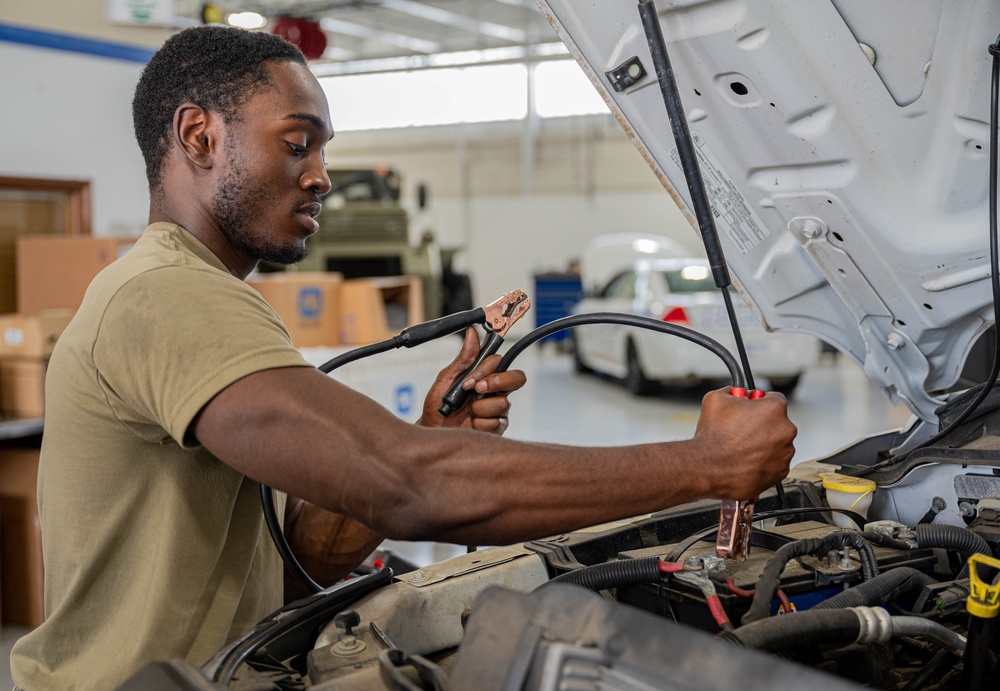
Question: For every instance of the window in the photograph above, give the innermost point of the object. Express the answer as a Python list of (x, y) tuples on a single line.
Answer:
[(448, 96), (427, 97), (621, 286)]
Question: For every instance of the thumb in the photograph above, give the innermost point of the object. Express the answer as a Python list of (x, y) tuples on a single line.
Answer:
[(466, 356)]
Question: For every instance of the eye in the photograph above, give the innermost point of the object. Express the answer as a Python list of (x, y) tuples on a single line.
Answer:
[(296, 149)]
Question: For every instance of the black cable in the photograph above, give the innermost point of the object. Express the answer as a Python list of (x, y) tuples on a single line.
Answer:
[(991, 379), (321, 608), (420, 333), (358, 354), (281, 544), (770, 578), (611, 574), (624, 320)]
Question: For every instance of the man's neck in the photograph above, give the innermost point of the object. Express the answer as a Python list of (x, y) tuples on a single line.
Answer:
[(199, 224)]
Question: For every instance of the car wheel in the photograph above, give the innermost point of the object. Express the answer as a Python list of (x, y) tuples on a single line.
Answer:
[(785, 385), (578, 364), (636, 379)]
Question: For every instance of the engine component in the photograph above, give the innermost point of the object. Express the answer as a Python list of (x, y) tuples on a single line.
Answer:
[(566, 637)]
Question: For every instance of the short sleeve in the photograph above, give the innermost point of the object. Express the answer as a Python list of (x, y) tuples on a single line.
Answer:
[(172, 338)]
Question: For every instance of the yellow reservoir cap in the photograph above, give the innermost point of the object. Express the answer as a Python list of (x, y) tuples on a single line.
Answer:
[(847, 484), (984, 599)]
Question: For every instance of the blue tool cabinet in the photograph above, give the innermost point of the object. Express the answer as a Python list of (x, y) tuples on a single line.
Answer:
[(555, 294)]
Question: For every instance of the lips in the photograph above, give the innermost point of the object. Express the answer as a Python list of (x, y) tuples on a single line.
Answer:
[(307, 214), (312, 209)]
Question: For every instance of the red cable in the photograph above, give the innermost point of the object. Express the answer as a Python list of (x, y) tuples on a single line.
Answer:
[(670, 567), (735, 590), (785, 603), (718, 613)]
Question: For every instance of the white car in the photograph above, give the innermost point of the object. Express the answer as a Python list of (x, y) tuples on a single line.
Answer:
[(681, 291)]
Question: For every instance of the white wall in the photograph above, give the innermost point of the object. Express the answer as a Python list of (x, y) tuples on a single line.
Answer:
[(517, 206), (585, 178), (67, 115)]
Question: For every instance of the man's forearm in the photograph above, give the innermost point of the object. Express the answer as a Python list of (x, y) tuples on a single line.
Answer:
[(327, 545)]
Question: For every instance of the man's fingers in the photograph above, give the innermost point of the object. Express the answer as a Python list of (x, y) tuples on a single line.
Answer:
[(494, 407), (501, 382)]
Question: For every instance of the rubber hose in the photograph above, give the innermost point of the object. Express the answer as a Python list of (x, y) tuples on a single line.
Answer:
[(770, 579), (612, 574), (811, 627), (834, 626), (883, 588), (960, 540)]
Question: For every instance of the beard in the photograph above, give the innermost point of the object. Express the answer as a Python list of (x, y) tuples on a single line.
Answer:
[(236, 205)]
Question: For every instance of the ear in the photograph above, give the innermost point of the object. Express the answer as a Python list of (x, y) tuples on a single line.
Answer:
[(196, 131)]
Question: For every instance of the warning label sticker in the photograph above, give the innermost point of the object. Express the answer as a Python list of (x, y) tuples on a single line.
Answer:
[(733, 215)]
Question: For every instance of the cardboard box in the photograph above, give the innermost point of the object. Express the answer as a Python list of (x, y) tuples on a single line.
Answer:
[(21, 574), (307, 304), (374, 309), (32, 335), (53, 271), (22, 387)]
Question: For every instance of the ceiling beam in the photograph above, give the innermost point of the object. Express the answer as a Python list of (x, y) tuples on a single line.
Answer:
[(417, 45), (453, 19)]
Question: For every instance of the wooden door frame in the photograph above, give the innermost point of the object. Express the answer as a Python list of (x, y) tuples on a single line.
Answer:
[(78, 212)]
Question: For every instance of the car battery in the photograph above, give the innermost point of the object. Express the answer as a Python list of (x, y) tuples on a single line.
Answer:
[(805, 581)]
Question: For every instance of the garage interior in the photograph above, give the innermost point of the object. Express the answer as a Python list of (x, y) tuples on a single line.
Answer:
[(472, 157)]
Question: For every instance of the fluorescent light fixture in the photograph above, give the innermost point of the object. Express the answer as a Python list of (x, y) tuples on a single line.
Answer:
[(246, 20), (694, 273), (645, 245)]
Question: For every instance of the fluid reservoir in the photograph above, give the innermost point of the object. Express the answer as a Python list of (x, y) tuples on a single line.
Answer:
[(846, 492)]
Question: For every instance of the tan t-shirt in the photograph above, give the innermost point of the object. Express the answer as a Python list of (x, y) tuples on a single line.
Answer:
[(153, 548)]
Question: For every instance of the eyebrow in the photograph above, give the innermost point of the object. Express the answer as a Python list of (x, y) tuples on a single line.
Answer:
[(316, 122)]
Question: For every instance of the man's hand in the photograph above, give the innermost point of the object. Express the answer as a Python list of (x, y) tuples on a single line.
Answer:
[(486, 409), (746, 446)]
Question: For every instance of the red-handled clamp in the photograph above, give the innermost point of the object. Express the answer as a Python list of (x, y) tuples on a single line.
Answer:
[(736, 517)]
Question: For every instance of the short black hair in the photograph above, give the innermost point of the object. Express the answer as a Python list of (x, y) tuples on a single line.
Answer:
[(216, 67)]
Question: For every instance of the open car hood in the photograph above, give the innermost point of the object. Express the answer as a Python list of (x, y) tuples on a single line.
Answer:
[(844, 146)]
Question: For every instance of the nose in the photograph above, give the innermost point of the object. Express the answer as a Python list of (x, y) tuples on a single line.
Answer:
[(315, 179)]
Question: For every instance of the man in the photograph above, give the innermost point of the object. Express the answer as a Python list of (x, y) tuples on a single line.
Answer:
[(176, 390)]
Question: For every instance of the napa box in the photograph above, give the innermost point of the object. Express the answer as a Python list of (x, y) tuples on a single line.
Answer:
[(374, 309), (22, 387), (307, 303), (53, 271), (21, 595), (32, 335)]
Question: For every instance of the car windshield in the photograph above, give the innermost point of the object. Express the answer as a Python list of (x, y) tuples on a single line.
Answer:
[(690, 279)]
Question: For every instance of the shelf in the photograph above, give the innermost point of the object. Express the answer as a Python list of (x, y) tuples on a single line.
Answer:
[(15, 429)]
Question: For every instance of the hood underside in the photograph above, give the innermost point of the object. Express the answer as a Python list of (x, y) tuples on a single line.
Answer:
[(844, 146)]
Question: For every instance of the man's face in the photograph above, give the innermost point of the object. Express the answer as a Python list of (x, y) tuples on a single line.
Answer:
[(274, 171)]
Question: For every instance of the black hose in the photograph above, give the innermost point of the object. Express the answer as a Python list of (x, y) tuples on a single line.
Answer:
[(802, 628), (612, 574), (957, 539), (625, 320), (770, 579), (884, 588)]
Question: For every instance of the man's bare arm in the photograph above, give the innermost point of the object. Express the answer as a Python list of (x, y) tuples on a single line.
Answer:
[(302, 432)]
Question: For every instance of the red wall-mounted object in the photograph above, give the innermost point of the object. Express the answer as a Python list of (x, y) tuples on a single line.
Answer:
[(304, 33)]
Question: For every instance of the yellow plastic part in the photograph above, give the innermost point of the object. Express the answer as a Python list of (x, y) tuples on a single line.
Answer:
[(984, 599), (847, 483)]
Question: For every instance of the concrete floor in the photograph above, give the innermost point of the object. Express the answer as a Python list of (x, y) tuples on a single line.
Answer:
[(833, 406)]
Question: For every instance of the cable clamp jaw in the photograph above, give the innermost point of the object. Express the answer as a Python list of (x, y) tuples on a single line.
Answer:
[(501, 314)]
